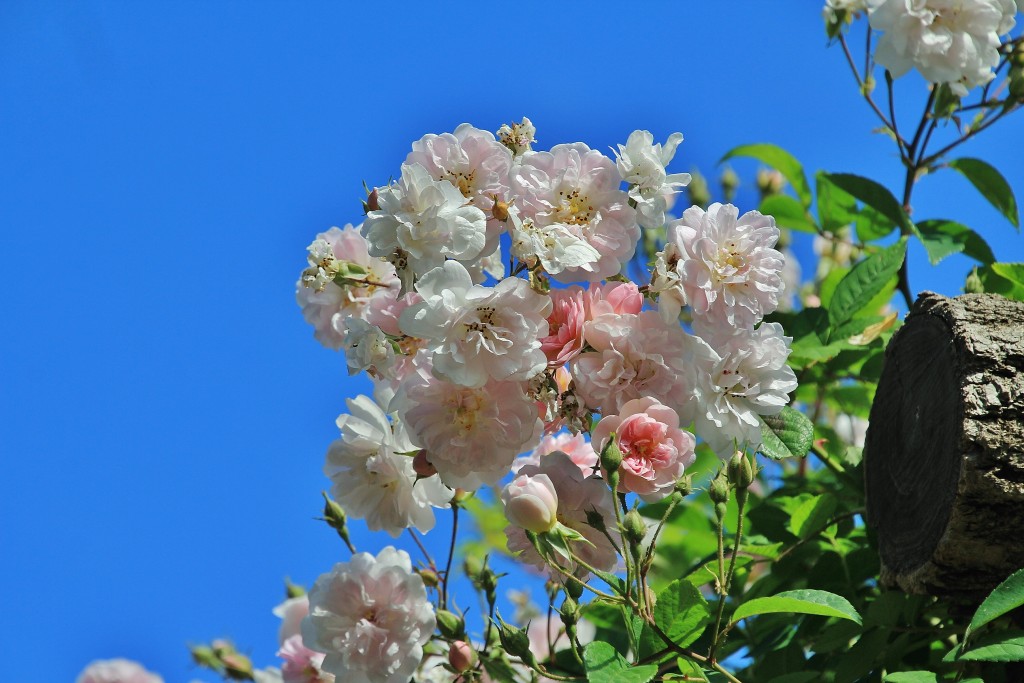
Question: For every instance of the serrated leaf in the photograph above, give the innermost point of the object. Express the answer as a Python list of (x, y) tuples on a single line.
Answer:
[(991, 184), (499, 670), (875, 196), (911, 677), (1007, 646), (786, 435), (815, 602), (866, 279), (779, 159), (605, 665), (681, 612), (1006, 596), (788, 213), (812, 515), (942, 238)]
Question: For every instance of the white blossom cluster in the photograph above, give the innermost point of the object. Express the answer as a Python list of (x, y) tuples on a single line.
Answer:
[(474, 366)]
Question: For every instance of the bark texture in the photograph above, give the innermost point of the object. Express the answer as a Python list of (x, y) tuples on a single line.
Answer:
[(944, 454)]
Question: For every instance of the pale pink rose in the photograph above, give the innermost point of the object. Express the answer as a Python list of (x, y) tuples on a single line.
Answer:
[(471, 434), (371, 617), (565, 326), (327, 309), (634, 355), (613, 297), (473, 161), (655, 451), (117, 671), (577, 189), (291, 612), (531, 503), (384, 311), (723, 265), (461, 656), (300, 664), (577, 496), (579, 450)]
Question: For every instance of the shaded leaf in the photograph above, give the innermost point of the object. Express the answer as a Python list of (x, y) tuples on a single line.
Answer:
[(911, 677), (1006, 596), (786, 435), (779, 159), (942, 238), (875, 196), (788, 213), (812, 515), (1006, 646), (605, 665), (681, 612), (991, 184)]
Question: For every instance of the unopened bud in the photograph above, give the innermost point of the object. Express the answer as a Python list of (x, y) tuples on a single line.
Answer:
[(450, 625), (741, 474), (335, 517), (633, 527), (974, 284), (237, 667), (222, 647), (769, 182), (293, 590), (515, 641), (574, 589), (461, 656), (1017, 83), (421, 466), (371, 203), (729, 181), (684, 486), (1017, 58), (460, 496), (719, 489), (570, 611), (611, 456), (203, 655), (472, 566), (429, 576), (946, 101), (698, 190)]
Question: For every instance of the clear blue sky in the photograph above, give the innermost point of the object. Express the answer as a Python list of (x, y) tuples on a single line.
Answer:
[(164, 410)]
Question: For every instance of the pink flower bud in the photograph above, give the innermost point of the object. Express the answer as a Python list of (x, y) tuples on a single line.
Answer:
[(421, 466), (531, 502), (461, 656)]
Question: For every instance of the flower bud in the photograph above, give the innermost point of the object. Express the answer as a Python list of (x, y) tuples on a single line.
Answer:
[(237, 667), (698, 190), (335, 517), (1017, 58), (371, 203), (770, 182), (741, 474), (293, 590), (429, 576), (946, 102), (472, 566), (1017, 83), (729, 181), (450, 625), (515, 641), (974, 284), (684, 486), (719, 489), (203, 655), (570, 611), (531, 503), (461, 656), (574, 589), (421, 466), (633, 527), (611, 456)]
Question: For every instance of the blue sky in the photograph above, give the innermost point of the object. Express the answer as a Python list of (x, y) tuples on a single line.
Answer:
[(164, 408)]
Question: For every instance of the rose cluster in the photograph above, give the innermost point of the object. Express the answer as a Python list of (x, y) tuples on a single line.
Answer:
[(476, 362)]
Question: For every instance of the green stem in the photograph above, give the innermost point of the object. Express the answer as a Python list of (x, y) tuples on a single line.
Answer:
[(741, 499)]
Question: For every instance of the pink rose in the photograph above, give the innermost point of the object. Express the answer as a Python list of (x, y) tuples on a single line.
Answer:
[(531, 502), (655, 451), (565, 326)]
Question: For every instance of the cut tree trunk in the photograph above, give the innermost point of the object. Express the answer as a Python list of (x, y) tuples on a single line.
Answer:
[(944, 454)]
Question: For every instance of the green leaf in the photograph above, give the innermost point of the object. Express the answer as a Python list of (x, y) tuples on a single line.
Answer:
[(911, 677), (865, 280), (816, 602), (500, 670), (812, 515), (779, 159), (992, 186), (788, 213), (942, 238), (681, 612), (1006, 646), (873, 195), (872, 225), (1006, 596), (836, 208), (605, 665), (786, 435), (1004, 278)]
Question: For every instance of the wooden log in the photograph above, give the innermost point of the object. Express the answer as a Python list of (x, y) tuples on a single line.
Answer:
[(944, 453)]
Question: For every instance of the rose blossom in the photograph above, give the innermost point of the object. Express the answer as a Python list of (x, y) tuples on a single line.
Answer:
[(117, 671), (641, 164), (471, 435), (564, 340), (722, 264), (612, 297), (421, 221), (291, 612), (577, 496), (373, 478), (302, 665), (634, 355), (576, 446), (654, 449), (738, 378), (477, 332), (577, 188), (326, 305), (531, 503), (948, 41), (371, 617)]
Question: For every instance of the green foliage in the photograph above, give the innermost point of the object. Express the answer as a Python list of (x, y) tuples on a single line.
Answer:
[(779, 159), (867, 279), (605, 665), (991, 184), (786, 435), (816, 602), (885, 209), (681, 612), (1003, 278), (1008, 595), (941, 238)]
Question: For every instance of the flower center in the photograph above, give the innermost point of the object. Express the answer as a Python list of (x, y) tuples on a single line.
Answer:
[(575, 209), (463, 181)]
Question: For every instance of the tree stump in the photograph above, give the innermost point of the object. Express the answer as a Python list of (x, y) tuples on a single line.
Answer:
[(944, 453)]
